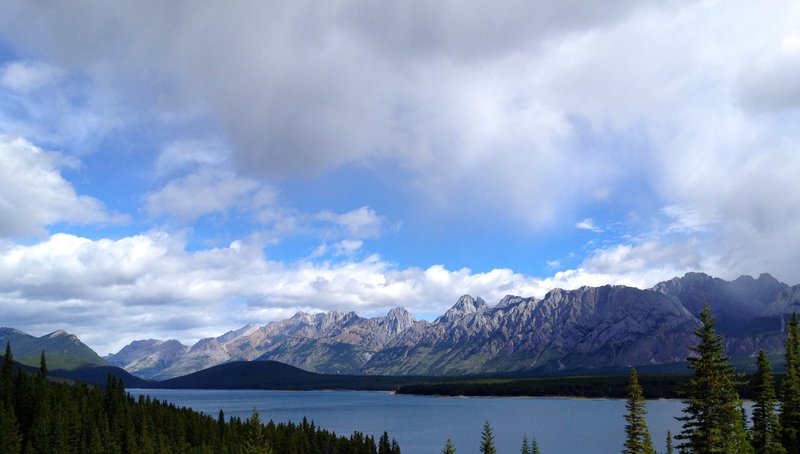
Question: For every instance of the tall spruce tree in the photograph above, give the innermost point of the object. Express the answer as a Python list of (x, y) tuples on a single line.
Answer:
[(790, 389), (6, 377), (449, 447), (712, 421), (535, 446), (637, 434), (766, 431), (42, 366), (669, 442), (487, 440), (526, 448)]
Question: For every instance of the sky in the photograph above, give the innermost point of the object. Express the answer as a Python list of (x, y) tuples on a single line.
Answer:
[(181, 169)]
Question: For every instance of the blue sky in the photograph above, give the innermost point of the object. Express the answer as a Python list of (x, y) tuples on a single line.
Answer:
[(177, 171)]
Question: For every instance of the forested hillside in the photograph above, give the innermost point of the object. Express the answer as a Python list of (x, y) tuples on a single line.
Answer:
[(41, 416)]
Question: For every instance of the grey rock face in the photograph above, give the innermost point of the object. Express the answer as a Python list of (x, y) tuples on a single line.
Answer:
[(586, 328), (147, 358), (333, 342)]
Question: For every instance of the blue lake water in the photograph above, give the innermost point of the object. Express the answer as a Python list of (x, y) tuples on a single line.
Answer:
[(422, 424)]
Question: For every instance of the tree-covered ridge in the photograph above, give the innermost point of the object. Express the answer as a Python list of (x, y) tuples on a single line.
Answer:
[(40, 416)]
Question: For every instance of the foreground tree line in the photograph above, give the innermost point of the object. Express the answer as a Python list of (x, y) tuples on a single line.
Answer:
[(41, 416), (714, 420), (487, 443)]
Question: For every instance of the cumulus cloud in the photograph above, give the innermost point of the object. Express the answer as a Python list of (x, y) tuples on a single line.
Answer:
[(536, 105), (73, 281), (48, 105), (150, 285), (206, 192), (524, 113), (34, 195), (361, 223)]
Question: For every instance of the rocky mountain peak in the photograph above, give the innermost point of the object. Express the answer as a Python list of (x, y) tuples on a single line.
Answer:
[(399, 319), (57, 333), (243, 331), (464, 306), (510, 300)]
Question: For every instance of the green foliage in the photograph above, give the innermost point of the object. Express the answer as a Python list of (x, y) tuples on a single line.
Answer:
[(449, 448), (529, 448), (790, 389), (669, 443), (637, 434), (535, 446), (766, 432), (613, 386), (487, 440), (42, 366), (40, 416), (712, 421)]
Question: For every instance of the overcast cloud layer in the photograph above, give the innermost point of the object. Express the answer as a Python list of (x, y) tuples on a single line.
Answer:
[(645, 139)]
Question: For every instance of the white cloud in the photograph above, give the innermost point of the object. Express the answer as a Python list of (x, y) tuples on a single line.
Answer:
[(190, 155), (25, 76), (361, 223), (198, 194), (533, 111), (33, 194), (588, 224), (150, 285), (69, 281), (49, 105)]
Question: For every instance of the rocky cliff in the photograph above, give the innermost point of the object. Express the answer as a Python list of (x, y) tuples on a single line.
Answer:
[(585, 328)]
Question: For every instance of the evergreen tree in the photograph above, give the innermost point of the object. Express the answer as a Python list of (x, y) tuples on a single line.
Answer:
[(10, 436), (766, 432), (384, 446), (487, 440), (790, 389), (449, 448), (669, 443), (42, 367), (8, 360), (535, 446), (6, 376), (712, 421), (221, 426), (526, 449), (638, 436), (255, 439)]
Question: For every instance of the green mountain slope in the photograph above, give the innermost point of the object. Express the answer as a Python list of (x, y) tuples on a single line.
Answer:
[(63, 350)]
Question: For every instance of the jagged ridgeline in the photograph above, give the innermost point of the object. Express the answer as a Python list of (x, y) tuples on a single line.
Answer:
[(37, 415), (586, 329)]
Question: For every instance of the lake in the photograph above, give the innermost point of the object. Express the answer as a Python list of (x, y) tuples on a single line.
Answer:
[(422, 424)]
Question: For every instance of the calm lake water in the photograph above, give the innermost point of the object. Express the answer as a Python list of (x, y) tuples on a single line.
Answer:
[(422, 424)]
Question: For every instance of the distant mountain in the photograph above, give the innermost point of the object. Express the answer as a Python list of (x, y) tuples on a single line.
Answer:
[(276, 375), (62, 350), (333, 342), (740, 306), (98, 375), (591, 328), (147, 358)]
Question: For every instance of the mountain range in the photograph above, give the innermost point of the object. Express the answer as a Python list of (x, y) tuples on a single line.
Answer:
[(582, 329)]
